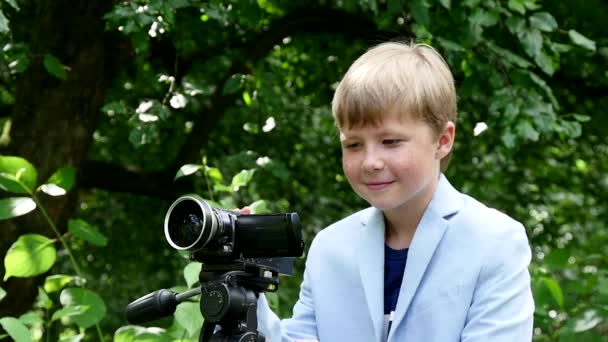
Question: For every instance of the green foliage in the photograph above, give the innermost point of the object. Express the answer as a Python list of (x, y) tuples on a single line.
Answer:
[(60, 182), (15, 206), (30, 255), (87, 308), (54, 67), (17, 175), (140, 334), (16, 329), (531, 142), (87, 232), (34, 254)]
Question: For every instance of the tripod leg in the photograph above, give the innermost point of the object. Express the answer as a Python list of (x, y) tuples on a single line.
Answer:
[(206, 332)]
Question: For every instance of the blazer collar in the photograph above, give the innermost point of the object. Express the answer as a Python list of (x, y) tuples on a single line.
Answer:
[(445, 203)]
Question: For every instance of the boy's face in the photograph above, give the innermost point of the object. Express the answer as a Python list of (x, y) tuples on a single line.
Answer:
[(396, 164)]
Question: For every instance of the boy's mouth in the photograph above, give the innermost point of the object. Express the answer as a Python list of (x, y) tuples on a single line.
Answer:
[(378, 185)]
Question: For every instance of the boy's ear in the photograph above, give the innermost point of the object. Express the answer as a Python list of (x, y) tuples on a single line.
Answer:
[(446, 140)]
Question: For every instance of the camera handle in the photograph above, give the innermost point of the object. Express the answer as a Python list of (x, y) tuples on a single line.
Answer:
[(230, 301)]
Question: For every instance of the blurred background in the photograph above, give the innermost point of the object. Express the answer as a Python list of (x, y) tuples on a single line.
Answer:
[(115, 108)]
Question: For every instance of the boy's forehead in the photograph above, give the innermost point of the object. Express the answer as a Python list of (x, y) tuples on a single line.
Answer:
[(380, 127), (379, 122)]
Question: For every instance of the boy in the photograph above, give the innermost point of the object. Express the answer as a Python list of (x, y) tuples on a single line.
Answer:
[(425, 262)]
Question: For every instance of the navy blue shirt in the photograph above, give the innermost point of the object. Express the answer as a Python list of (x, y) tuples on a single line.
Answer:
[(394, 267)]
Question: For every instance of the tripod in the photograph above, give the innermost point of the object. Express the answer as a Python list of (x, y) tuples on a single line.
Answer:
[(229, 294)]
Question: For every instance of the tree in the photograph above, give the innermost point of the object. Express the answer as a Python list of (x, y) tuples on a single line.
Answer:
[(142, 88)]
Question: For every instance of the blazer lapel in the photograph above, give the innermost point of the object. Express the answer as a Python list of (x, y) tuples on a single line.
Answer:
[(370, 255), (433, 225)]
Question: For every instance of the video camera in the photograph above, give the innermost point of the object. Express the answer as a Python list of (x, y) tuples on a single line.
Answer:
[(242, 256), (217, 236)]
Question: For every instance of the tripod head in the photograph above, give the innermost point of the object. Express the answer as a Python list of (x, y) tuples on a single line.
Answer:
[(229, 295)]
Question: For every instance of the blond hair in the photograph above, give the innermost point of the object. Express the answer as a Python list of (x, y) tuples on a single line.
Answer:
[(408, 80)]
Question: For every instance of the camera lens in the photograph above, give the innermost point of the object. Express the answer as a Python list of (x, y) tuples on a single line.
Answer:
[(189, 224)]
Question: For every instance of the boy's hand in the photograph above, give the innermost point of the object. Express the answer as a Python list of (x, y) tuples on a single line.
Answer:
[(244, 210)]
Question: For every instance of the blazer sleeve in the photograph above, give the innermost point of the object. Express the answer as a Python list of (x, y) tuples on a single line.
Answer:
[(302, 325), (502, 309)]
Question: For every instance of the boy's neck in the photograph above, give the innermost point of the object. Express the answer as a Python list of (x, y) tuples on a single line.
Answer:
[(401, 223)]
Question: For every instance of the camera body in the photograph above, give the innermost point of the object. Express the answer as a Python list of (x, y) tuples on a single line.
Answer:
[(218, 236)]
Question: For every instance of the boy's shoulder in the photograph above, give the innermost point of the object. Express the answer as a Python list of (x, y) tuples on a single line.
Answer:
[(478, 219)]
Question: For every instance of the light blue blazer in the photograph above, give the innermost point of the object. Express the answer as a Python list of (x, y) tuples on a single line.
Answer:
[(466, 279)]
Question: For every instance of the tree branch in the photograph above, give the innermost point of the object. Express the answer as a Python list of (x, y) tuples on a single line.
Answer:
[(303, 21)]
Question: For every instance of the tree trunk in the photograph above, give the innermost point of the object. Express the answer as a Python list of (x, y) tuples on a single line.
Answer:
[(54, 120)]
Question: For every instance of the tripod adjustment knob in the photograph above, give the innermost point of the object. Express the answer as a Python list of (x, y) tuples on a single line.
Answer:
[(214, 301)]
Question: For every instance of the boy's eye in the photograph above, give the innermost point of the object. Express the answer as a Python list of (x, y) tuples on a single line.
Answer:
[(391, 142), (351, 145)]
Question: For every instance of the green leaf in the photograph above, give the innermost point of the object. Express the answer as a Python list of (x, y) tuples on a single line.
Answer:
[(64, 178), (273, 300), (581, 40), (30, 255), (582, 118), (234, 84), (450, 45), (446, 3), (541, 83), (222, 188), (131, 333), (15, 206), (509, 56), (215, 174), (16, 329), (84, 297), (2, 294), (43, 300), (517, 6), (527, 131), (17, 175), (13, 4), (73, 338), (545, 63), (116, 107), (516, 25), (471, 3), (87, 232), (247, 98), (420, 12), (69, 311), (543, 21), (589, 321), (3, 23), (242, 179), (32, 318), (555, 289), (191, 273), (187, 170), (259, 207), (56, 282), (571, 129), (508, 138), (54, 67), (188, 315), (484, 18), (532, 41)]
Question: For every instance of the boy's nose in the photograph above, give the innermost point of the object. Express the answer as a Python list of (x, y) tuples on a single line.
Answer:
[(372, 162)]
